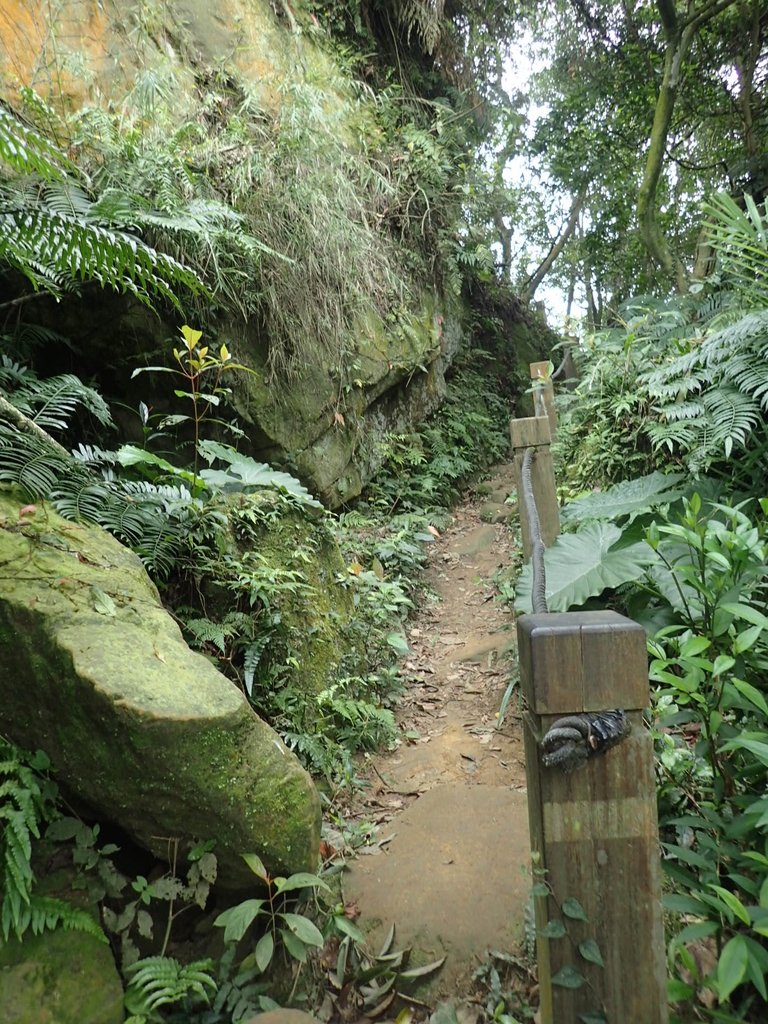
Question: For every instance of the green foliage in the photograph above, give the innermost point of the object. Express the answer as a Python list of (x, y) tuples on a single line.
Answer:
[(711, 726), (53, 234), (28, 800), (200, 373), (159, 981), (424, 471), (284, 929), (50, 403), (582, 565)]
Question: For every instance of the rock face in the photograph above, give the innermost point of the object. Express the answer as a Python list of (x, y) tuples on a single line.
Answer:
[(59, 977), (140, 728)]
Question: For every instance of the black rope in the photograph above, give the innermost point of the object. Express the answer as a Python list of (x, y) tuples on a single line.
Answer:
[(539, 588), (572, 739)]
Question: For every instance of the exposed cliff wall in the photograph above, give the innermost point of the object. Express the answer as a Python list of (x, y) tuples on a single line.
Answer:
[(323, 215)]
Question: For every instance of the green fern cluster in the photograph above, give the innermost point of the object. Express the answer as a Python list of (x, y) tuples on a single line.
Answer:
[(149, 518), (158, 981), (27, 802), (714, 397), (58, 238)]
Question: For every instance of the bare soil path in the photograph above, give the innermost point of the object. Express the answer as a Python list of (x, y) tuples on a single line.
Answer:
[(448, 861)]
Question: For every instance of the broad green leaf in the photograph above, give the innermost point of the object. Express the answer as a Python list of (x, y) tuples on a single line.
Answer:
[(63, 829), (753, 695), (103, 603), (593, 1017), (573, 909), (732, 901), (191, 336), (130, 455), (294, 945), (732, 966), (584, 564), (554, 929), (398, 643), (747, 613), (590, 950), (256, 864), (755, 746), (245, 472), (568, 977), (625, 498), (301, 880), (347, 927), (303, 929), (237, 920), (265, 948), (746, 639)]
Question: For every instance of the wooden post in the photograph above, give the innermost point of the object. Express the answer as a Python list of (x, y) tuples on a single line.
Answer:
[(544, 394), (533, 432), (594, 832)]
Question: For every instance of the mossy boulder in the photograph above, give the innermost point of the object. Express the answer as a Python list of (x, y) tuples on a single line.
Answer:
[(59, 977), (144, 731)]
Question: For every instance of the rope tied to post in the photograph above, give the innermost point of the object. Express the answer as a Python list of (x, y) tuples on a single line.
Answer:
[(539, 586), (571, 740)]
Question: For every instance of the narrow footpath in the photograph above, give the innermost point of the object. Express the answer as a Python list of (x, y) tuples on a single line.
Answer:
[(447, 863)]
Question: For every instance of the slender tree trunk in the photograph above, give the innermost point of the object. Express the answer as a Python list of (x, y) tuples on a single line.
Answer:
[(533, 282), (679, 32)]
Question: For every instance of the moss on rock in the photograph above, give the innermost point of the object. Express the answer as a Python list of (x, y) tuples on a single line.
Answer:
[(142, 729)]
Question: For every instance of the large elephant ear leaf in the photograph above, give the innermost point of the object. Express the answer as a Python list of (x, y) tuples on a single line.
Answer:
[(584, 564), (628, 498)]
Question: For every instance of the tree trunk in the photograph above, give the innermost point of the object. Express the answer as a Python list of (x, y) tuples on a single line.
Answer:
[(533, 282), (678, 33)]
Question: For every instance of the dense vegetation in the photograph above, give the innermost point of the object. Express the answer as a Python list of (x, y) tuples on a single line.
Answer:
[(244, 212)]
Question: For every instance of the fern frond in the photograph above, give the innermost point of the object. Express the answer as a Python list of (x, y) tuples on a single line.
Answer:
[(26, 151), (47, 913), (161, 981), (29, 463), (51, 402)]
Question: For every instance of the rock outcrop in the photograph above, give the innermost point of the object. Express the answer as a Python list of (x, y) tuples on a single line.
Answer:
[(138, 727)]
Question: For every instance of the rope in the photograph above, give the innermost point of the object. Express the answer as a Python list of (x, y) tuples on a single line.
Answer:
[(539, 589), (571, 740), (561, 367)]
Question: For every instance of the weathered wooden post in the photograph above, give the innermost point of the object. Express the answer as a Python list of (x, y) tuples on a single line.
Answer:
[(544, 394), (594, 829), (534, 432)]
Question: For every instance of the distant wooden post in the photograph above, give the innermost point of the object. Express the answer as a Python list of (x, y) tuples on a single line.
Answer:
[(544, 394), (594, 831), (534, 432)]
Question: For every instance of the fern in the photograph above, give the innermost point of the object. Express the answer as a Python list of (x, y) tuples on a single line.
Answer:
[(159, 981), (51, 232), (27, 801), (50, 402), (149, 518)]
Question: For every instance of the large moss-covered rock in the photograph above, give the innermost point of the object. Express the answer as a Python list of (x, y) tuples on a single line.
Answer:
[(60, 977), (146, 732)]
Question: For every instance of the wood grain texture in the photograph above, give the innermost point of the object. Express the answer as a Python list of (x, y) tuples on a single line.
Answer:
[(544, 394), (534, 432), (594, 831)]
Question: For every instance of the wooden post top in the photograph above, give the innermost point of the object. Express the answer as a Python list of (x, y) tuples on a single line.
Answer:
[(582, 661), (532, 431)]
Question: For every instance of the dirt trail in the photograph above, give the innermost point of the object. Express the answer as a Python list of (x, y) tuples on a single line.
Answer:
[(448, 861)]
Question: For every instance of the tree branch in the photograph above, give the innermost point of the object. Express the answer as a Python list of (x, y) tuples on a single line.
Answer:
[(28, 426), (533, 282)]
